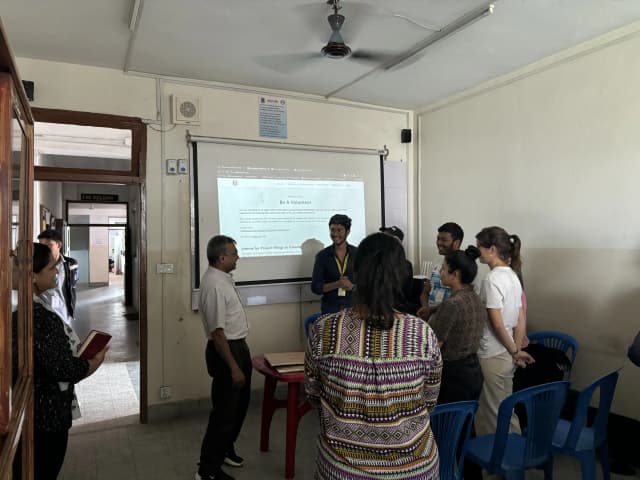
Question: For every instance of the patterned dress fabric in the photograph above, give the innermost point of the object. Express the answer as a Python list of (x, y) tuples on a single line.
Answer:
[(374, 390)]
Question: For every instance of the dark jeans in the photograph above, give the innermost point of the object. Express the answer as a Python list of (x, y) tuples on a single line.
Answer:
[(462, 380), (229, 405)]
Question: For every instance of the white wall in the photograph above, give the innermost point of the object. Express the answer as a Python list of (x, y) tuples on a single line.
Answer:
[(553, 157), (175, 338)]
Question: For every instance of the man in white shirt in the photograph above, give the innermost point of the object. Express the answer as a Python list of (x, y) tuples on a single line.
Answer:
[(228, 359), (62, 298)]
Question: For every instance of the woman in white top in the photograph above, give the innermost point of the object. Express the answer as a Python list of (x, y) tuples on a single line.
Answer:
[(499, 352)]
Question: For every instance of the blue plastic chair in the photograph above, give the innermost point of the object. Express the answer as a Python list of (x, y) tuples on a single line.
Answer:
[(309, 320), (577, 439), (451, 425), (510, 454), (558, 340)]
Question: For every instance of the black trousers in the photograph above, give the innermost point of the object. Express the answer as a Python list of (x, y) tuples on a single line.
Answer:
[(462, 380), (49, 450), (229, 405)]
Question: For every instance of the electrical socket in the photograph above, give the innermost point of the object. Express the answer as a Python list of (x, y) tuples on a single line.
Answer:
[(165, 392)]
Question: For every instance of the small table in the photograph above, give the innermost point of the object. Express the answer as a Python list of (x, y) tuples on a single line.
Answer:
[(295, 409)]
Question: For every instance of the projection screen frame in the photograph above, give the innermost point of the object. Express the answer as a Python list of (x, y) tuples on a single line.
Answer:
[(192, 141)]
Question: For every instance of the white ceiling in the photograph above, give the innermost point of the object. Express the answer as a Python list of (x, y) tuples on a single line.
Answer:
[(271, 44)]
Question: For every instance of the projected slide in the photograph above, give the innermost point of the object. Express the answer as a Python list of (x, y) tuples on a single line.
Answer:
[(276, 202), (276, 216)]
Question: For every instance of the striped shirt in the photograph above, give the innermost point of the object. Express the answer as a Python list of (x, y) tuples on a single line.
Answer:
[(375, 389)]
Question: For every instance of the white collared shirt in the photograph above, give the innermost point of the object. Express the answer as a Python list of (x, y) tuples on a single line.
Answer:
[(220, 305), (55, 296)]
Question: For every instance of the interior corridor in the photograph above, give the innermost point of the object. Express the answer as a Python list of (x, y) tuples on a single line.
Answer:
[(113, 391)]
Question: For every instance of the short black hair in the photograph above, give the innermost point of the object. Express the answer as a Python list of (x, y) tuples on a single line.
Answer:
[(395, 231), (41, 256), (340, 219), (217, 247), (50, 234), (454, 229)]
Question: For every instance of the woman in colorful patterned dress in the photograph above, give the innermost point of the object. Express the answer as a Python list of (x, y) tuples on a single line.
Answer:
[(374, 374)]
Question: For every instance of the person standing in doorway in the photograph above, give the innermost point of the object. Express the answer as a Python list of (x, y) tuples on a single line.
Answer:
[(62, 298), (228, 359), (333, 269)]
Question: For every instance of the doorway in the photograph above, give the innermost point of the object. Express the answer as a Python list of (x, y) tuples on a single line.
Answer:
[(95, 187), (97, 240)]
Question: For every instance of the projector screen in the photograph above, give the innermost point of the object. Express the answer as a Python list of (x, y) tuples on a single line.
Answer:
[(275, 201)]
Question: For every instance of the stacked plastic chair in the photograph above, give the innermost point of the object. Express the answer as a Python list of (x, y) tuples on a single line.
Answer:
[(451, 425), (558, 340), (511, 454), (578, 440)]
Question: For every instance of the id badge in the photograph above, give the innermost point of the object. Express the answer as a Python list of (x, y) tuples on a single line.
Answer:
[(342, 292), (439, 297)]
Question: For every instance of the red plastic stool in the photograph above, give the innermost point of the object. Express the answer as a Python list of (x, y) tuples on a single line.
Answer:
[(295, 409)]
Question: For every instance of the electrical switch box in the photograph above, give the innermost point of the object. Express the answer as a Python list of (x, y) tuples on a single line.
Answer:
[(172, 166)]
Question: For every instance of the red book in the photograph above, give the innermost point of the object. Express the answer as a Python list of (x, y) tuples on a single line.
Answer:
[(94, 342)]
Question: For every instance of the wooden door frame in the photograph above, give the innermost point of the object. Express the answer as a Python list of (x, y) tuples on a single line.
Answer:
[(135, 176)]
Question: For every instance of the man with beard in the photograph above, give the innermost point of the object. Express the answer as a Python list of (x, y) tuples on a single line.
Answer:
[(333, 269), (449, 240)]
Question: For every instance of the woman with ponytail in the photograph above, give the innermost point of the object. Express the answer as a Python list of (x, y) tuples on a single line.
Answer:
[(500, 346), (374, 374), (458, 324)]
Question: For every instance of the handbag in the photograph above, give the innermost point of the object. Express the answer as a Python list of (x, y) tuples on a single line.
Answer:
[(634, 350)]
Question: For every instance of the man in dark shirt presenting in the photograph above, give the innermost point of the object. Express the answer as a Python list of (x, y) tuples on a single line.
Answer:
[(333, 269)]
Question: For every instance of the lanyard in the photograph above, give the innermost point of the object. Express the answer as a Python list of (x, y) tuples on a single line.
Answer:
[(342, 268)]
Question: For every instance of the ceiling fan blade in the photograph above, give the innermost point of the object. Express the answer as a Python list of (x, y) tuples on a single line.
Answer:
[(370, 56), (287, 62)]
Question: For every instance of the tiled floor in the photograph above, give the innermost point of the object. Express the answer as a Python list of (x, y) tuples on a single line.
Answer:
[(113, 390), (169, 450), (109, 393)]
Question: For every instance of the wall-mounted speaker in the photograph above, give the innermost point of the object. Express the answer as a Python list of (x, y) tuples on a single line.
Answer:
[(28, 89), (405, 135)]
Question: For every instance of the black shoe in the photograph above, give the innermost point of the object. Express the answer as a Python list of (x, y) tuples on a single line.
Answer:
[(233, 460), (219, 475)]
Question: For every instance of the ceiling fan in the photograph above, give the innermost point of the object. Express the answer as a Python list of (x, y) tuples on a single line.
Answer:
[(336, 48)]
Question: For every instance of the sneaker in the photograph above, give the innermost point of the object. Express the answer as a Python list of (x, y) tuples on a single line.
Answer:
[(233, 460), (219, 475)]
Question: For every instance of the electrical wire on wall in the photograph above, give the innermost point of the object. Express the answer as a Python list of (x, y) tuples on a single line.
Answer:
[(160, 108)]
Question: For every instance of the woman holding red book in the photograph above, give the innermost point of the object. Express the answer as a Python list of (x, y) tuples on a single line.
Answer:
[(56, 369)]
